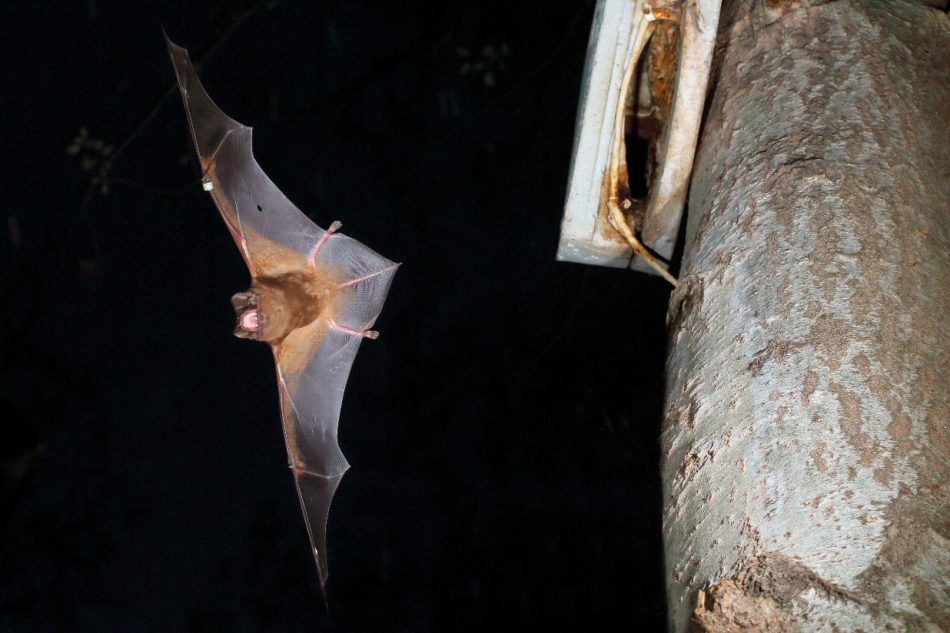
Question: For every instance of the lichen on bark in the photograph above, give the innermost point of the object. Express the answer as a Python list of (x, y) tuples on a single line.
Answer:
[(808, 399)]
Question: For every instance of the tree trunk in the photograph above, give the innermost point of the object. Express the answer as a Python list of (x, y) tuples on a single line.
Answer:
[(804, 441)]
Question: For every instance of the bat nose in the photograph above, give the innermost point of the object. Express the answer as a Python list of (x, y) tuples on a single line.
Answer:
[(243, 300)]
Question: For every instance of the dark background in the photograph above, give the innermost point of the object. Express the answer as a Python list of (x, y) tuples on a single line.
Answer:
[(503, 428)]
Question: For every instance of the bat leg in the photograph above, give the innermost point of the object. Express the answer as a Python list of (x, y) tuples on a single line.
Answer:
[(334, 227), (370, 334)]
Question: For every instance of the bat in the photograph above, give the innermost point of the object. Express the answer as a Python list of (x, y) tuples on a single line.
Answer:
[(314, 296)]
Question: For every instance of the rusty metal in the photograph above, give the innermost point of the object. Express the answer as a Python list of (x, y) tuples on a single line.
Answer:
[(645, 77)]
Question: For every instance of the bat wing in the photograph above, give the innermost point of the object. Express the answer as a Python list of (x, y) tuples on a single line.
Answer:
[(274, 236), (313, 365)]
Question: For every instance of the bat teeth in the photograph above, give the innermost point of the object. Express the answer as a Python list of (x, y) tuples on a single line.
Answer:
[(249, 320)]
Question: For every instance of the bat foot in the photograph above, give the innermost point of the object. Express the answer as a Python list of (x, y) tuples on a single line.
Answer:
[(335, 226)]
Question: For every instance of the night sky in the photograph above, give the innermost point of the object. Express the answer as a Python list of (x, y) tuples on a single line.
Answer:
[(502, 430)]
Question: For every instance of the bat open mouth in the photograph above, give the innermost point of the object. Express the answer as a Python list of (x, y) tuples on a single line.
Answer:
[(249, 320), (248, 324)]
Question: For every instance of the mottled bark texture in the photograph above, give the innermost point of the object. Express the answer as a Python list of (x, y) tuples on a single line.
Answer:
[(805, 437)]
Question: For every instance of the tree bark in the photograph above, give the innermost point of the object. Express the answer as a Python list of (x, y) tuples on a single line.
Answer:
[(805, 436)]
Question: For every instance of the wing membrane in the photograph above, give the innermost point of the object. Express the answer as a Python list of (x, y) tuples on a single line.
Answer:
[(310, 407), (263, 221), (315, 493), (365, 277)]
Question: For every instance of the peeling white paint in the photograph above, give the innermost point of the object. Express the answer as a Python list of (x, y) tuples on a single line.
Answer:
[(619, 34)]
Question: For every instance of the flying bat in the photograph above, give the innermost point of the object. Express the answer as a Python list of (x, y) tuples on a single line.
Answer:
[(314, 296)]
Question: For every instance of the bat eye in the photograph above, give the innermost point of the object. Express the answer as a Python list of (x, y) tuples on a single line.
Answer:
[(259, 208)]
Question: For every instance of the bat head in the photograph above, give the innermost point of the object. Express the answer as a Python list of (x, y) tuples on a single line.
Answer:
[(269, 311), (249, 321)]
